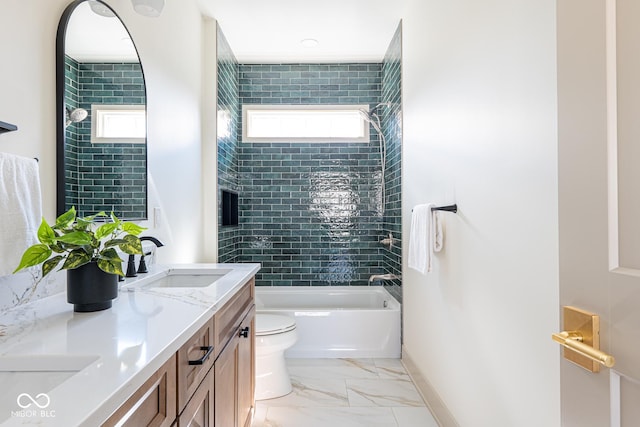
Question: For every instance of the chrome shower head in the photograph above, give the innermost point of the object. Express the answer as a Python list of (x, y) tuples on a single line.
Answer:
[(372, 118), (76, 115)]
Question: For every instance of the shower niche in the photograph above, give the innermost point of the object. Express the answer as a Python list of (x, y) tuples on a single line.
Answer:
[(229, 207)]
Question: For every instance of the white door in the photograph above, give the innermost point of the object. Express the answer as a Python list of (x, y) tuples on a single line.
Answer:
[(599, 201)]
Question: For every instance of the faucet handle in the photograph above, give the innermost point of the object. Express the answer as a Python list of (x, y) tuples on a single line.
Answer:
[(142, 265), (131, 267)]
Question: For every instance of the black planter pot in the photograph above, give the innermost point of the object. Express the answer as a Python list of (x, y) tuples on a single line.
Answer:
[(91, 289)]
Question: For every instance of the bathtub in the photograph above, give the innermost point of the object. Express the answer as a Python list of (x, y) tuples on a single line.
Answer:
[(337, 321)]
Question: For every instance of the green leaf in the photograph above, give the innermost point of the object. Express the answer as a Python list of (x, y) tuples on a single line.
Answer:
[(114, 242), (109, 266), (132, 228), (65, 220), (75, 259), (105, 230), (50, 264), (57, 248), (82, 224), (78, 238), (46, 234), (110, 253), (33, 256), (110, 262), (131, 245)]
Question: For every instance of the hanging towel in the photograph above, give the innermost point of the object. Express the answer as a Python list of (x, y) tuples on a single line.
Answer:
[(20, 208), (425, 237)]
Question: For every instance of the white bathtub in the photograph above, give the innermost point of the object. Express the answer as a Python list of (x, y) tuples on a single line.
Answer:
[(337, 321)]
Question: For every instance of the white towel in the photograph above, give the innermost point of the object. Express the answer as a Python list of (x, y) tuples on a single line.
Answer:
[(425, 237), (20, 208)]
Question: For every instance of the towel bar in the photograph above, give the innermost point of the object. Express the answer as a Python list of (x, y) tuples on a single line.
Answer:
[(7, 127), (448, 208)]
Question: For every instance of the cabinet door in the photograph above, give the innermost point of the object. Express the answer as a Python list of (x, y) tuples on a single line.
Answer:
[(246, 370), (199, 410), (195, 359), (226, 372), (153, 404)]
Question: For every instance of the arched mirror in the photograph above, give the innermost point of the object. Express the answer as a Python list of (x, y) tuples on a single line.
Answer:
[(101, 115)]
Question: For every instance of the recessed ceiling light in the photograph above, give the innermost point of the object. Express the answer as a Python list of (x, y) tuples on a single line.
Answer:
[(309, 42)]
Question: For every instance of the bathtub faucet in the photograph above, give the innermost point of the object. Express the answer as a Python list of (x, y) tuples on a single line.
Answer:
[(383, 277)]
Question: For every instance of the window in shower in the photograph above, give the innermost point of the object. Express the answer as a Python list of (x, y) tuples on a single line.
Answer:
[(118, 123), (304, 123)]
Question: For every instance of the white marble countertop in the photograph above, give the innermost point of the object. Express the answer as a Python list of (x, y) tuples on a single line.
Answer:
[(120, 347)]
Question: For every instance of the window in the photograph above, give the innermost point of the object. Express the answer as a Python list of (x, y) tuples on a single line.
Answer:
[(118, 123), (304, 123)]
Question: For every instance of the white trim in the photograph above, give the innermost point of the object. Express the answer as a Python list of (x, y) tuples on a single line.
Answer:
[(614, 398), (612, 134), (98, 109), (434, 402), (247, 108)]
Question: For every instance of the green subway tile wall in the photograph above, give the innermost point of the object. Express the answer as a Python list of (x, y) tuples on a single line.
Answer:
[(392, 128), (310, 212), (105, 177), (228, 106)]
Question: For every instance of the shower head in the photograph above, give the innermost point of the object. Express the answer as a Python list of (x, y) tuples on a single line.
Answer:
[(372, 118), (76, 115)]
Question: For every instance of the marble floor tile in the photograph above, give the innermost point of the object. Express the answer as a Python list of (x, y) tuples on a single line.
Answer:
[(312, 392), (332, 368), (414, 417), (346, 393), (383, 393), (324, 417), (391, 369)]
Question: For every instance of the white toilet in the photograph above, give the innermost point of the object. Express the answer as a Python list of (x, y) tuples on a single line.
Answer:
[(274, 334)]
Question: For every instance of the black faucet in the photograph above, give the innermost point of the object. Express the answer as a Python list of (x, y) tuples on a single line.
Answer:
[(142, 268)]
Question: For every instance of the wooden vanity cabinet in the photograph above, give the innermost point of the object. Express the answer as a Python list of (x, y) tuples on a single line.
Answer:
[(153, 404), (199, 410), (235, 366), (246, 370), (195, 358), (234, 377), (215, 389)]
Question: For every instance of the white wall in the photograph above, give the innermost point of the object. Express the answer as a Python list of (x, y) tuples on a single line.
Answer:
[(170, 48), (480, 130)]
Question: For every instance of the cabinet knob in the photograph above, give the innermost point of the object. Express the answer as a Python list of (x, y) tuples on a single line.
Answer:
[(244, 332)]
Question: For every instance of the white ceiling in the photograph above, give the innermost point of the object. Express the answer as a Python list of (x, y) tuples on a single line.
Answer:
[(94, 38), (268, 31), (262, 31)]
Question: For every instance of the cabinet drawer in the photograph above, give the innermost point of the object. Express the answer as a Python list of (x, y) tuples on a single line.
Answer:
[(153, 404), (199, 410), (229, 317), (195, 358)]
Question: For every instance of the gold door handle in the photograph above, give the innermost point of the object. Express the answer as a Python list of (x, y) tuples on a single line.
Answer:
[(573, 340), (581, 344)]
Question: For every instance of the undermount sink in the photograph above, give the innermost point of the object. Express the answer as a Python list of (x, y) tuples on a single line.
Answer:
[(186, 278), (26, 379)]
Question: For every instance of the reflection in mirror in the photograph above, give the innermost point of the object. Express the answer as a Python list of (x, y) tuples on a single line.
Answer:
[(101, 116)]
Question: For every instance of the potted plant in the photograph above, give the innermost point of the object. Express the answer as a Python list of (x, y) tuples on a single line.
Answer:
[(86, 249)]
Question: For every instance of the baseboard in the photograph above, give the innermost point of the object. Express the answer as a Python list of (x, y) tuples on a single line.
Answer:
[(435, 404)]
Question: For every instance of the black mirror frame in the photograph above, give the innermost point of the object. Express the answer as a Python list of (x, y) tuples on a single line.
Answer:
[(61, 109)]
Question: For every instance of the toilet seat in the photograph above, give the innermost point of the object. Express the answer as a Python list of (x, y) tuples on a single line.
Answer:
[(272, 324)]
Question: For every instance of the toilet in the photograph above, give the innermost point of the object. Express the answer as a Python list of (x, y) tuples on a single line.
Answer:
[(275, 333)]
